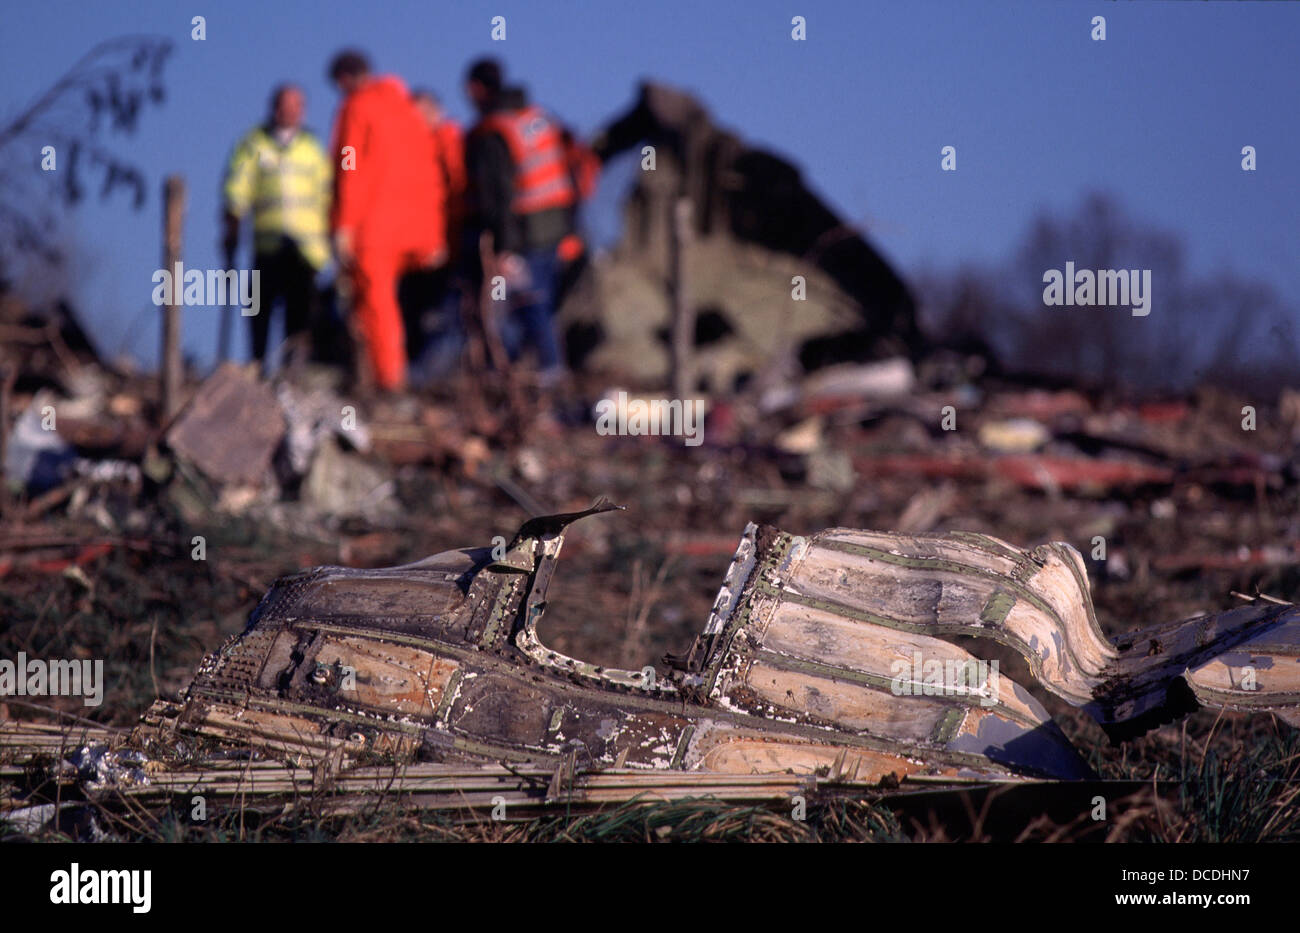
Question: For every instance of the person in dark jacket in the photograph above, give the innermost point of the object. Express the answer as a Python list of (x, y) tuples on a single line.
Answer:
[(521, 192)]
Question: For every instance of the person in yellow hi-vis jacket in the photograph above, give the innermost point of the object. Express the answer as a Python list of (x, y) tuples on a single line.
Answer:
[(281, 174)]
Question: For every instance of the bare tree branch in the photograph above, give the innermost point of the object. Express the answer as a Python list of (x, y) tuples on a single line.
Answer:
[(106, 91)]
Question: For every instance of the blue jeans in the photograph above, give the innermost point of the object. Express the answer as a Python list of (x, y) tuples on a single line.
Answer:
[(444, 342), (533, 307)]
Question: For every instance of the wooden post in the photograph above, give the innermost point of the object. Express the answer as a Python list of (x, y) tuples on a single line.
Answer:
[(496, 351), (227, 317), (683, 330), (170, 363), (491, 328)]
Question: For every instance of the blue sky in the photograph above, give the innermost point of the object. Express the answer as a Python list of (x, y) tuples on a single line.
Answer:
[(1040, 114)]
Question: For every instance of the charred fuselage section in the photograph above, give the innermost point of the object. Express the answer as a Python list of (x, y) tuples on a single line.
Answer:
[(826, 654)]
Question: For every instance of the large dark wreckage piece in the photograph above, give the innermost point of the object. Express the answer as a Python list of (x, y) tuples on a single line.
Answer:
[(817, 658)]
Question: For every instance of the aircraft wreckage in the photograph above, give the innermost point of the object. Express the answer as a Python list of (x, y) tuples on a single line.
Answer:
[(823, 658)]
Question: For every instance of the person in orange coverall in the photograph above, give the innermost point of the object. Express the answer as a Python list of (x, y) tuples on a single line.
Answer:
[(388, 205)]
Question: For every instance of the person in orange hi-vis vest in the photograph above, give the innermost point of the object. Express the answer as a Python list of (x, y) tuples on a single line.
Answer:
[(522, 196), (584, 168), (388, 206)]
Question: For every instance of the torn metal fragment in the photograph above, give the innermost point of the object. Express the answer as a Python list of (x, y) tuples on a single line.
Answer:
[(824, 655)]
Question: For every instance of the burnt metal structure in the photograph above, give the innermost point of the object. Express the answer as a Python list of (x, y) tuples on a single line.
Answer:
[(825, 654)]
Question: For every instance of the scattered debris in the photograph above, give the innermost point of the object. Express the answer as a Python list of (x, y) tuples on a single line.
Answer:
[(758, 236), (231, 428), (36, 457), (1015, 435), (341, 484), (99, 767), (832, 386), (824, 658), (1163, 501), (313, 416)]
